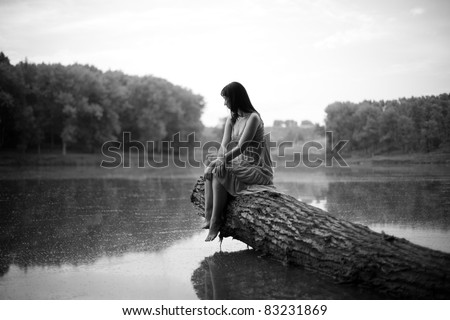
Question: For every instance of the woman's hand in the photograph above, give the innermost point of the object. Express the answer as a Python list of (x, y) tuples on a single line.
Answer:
[(208, 173), (216, 162), (220, 168), (217, 166)]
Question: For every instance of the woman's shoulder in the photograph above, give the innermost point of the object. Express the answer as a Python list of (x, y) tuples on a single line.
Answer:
[(255, 117)]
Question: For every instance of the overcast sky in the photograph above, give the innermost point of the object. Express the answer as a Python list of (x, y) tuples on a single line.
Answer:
[(294, 57)]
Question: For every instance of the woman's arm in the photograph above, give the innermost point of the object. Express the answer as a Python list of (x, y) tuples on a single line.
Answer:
[(218, 158), (226, 138), (217, 165), (247, 136)]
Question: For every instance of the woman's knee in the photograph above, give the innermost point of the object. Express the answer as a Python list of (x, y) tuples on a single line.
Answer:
[(216, 185)]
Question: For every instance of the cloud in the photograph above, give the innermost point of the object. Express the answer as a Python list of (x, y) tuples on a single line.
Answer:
[(347, 37), (417, 11), (350, 28)]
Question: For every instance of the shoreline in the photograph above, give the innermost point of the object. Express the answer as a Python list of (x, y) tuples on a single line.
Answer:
[(17, 159)]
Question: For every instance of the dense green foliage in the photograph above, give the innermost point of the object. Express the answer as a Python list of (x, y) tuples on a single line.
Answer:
[(419, 124), (51, 105)]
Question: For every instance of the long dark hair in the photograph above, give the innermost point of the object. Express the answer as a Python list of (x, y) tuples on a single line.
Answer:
[(238, 99)]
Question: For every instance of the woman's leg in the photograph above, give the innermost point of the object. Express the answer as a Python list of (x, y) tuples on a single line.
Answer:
[(207, 173), (208, 203), (220, 196)]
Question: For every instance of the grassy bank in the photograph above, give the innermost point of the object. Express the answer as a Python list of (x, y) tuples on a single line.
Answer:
[(86, 159), (400, 159), (49, 159), (78, 165)]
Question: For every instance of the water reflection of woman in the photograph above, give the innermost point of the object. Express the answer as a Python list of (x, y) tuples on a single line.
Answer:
[(242, 164)]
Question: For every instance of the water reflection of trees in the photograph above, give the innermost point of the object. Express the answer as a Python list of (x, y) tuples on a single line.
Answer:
[(410, 202), (55, 222), (401, 202), (244, 275)]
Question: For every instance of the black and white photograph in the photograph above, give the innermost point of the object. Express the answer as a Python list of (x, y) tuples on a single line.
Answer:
[(294, 153)]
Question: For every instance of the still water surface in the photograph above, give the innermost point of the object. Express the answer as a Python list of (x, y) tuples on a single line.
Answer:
[(78, 233)]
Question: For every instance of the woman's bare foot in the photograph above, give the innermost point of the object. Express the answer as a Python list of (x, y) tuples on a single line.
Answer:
[(205, 224), (212, 234)]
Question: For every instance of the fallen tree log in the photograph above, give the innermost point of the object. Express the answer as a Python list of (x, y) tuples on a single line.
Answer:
[(296, 233)]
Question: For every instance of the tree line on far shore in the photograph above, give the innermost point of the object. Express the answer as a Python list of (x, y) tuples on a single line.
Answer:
[(416, 124), (79, 106)]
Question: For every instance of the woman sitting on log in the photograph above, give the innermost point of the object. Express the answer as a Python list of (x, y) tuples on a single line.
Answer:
[(242, 164)]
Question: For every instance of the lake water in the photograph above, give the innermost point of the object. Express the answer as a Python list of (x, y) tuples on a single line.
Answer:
[(92, 233)]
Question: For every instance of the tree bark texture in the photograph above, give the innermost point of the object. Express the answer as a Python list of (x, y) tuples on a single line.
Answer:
[(296, 233)]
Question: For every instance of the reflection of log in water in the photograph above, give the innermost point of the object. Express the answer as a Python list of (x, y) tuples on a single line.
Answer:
[(244, 275), (300, 234)]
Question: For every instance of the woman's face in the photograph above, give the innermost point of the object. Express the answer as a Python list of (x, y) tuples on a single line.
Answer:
[(226, 102)]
